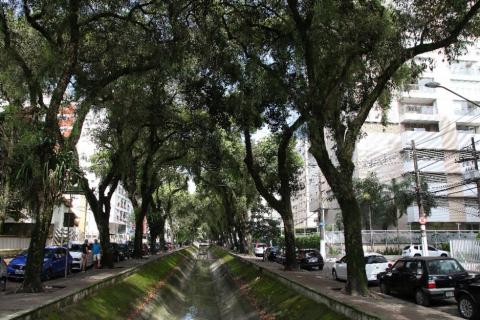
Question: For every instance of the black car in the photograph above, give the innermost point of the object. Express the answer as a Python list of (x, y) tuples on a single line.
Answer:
[(118, 254), (270, 254), (424, 278), (467, 294), (309, 259), (124, 249)]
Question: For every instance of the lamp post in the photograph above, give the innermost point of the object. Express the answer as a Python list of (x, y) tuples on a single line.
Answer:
[(434, 84)]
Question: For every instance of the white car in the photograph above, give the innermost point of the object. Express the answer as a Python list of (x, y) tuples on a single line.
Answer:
[(416, 251), (3, 274), (76, 253), (374, 264), (259, 249)]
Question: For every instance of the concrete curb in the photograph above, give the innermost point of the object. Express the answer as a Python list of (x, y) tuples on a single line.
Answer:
[(352, 312), (70, 298)]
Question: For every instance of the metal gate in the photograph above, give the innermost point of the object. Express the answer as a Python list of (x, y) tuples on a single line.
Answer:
[(467, 252)]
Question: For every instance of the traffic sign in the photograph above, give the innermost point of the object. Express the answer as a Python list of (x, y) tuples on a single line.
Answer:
[(422, 220)]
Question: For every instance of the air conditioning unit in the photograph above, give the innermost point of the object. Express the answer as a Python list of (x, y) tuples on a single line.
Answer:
[(471, 175)]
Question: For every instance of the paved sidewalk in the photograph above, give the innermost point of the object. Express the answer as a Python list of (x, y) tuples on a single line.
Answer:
[(11, 302), (380, 305)]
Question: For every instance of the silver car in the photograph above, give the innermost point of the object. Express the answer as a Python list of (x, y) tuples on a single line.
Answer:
[(3, 274)]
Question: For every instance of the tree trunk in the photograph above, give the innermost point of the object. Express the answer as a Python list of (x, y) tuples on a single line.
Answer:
[(104, 235), (153, 240), (137, 242), (161, 234), (357, 280), (241, 241), (32, 281), (288, 227)]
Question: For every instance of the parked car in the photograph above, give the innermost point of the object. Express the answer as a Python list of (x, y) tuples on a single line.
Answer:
[(424, 278), (309, 259), (259, 249), (54, 261), (416, 251), (3, 275), (270, 253), (123, 247), (467, 294), (280, 257), (117, 252), (145, 249), (76, 253), (375, 263)]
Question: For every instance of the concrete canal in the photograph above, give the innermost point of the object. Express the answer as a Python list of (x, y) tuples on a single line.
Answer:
[(202, 290)]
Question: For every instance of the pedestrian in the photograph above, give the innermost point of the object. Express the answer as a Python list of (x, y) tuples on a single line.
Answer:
[(85, 248), (96, 253)]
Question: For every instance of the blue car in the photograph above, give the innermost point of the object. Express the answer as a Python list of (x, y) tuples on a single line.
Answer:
[(53, 263)]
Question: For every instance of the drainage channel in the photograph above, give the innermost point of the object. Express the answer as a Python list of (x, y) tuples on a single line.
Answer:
[(201, 290)]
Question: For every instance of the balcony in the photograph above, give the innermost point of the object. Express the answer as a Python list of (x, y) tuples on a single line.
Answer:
[(423, 139), (429, 165), (438, 214), (418, 113)]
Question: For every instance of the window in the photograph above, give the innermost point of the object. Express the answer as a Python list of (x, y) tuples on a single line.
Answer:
[(434, 177), (375, 259), (463, 67), (463, 108), (467, 129), (399, 265), (411, 266), (444, 267), (430, 127), (419, 108)]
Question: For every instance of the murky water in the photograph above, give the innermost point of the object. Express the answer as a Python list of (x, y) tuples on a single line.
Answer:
[(201, 291)]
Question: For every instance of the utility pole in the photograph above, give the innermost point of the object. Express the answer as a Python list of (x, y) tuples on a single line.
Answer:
[(475, 162), (307, 189), (421, 212), (476, 176)]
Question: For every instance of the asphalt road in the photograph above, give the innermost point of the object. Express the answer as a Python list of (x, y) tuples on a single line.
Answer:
[(448, 306)]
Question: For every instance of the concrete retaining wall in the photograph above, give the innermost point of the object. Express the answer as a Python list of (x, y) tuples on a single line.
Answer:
[(71, 298), (339, 306)]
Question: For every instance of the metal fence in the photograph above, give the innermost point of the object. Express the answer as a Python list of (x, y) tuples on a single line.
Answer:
[(400, 237), (467, 252)]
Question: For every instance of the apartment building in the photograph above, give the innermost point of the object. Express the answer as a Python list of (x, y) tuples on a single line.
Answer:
[(121, 212), (442, 126)]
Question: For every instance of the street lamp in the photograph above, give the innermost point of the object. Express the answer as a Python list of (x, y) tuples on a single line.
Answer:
[(433, 85)]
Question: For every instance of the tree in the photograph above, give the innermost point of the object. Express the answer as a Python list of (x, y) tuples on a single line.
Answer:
[(163, 200), (336, 61)]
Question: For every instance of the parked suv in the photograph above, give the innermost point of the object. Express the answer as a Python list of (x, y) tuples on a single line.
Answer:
[(259, 248), (424, 278), (3, 275), (416, 251)]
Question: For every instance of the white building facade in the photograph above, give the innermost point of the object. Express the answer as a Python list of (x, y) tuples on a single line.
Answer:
[(442, 126)]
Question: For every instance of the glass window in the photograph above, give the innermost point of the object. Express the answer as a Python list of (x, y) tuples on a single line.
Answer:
[(444, 267), (399, 265), (431, 248), (375, 259), (411, 266)]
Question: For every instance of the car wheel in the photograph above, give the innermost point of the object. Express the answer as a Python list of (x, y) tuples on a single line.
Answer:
[(334, 275), (467, 307), (384, 288), (320, 267), (421, 298), (443, 255), (417, 255)]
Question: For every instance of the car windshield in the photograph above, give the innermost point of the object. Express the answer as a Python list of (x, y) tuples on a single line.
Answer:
[(76, 247), (406, 248), (444, 267), (375, 259)]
